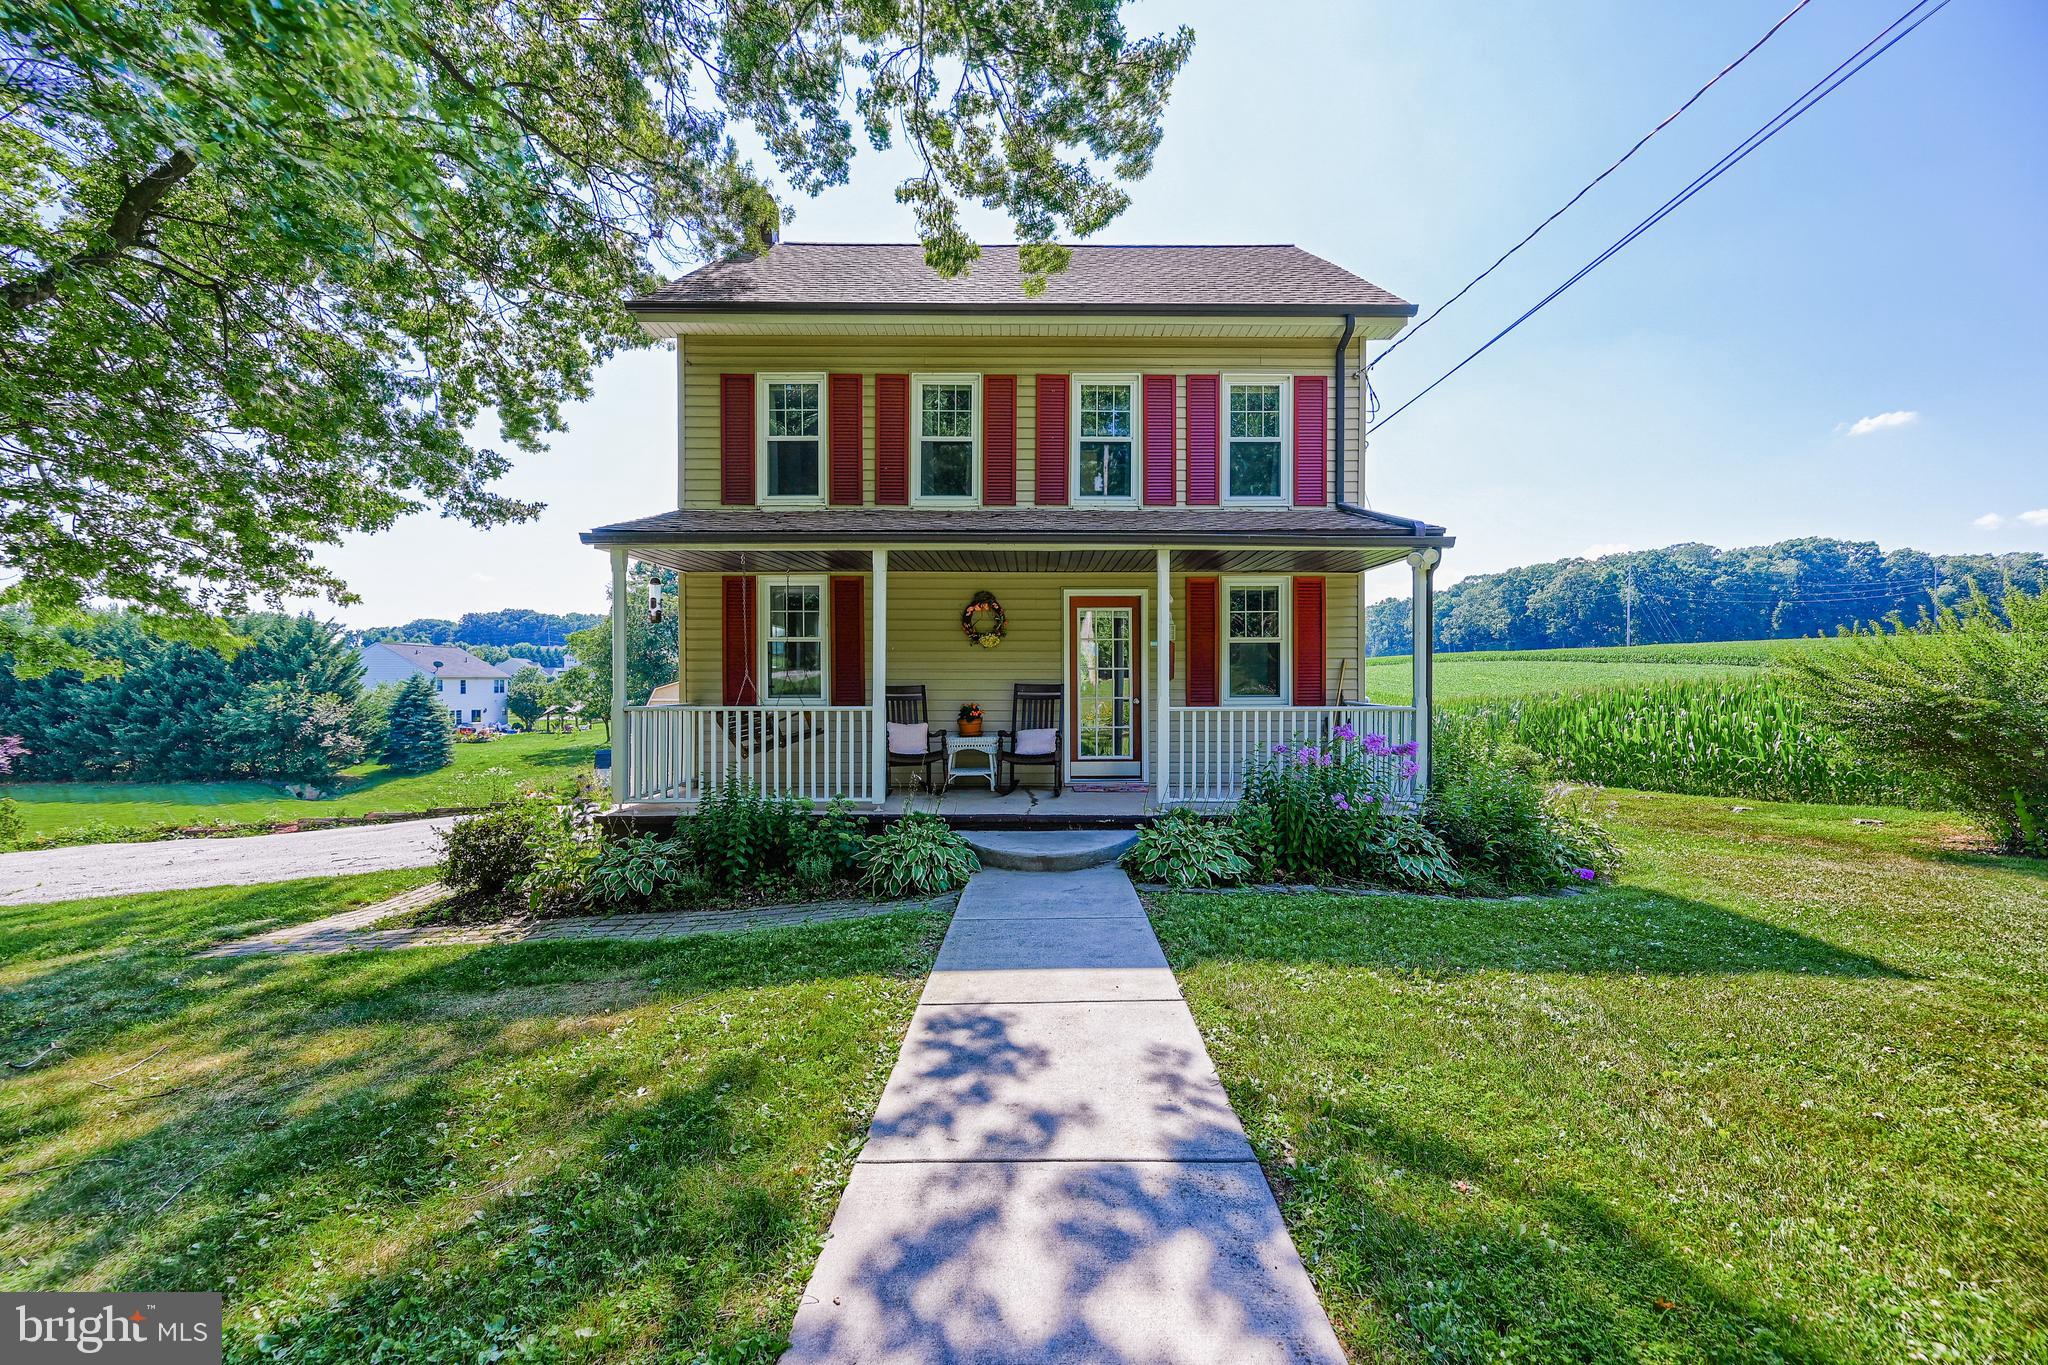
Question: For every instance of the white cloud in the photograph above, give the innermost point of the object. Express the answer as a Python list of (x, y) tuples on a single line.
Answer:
[(1990, 521), (1863, 426), (2037, 517), (1616, 547), (479, 576)]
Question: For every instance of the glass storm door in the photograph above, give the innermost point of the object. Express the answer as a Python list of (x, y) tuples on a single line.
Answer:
[(1105, 685)]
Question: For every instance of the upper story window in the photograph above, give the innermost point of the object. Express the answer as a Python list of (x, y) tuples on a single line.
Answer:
[(946, 449), (792, 410), (1255, 640), (462, 685), (1104, 439), (1255, 455), (796, 641), (497, 685)]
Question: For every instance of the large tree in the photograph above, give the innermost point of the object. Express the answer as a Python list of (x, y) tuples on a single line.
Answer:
[(262, 266)]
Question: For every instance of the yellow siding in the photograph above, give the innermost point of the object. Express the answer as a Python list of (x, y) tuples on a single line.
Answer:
[(1026, 357), (926, 645)]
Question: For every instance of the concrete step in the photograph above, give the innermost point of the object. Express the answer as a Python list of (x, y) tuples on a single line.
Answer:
[(1049, 850)]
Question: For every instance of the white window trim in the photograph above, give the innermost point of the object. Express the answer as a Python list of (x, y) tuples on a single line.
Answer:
[(799, 580), (1283, 585), (761, 383), (1286, 494), (1074, 494), (917, 439)]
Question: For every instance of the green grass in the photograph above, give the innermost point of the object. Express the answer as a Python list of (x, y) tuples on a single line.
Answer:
[(545, 1152), (1774, 1096), (1505, 674), (480, 774)]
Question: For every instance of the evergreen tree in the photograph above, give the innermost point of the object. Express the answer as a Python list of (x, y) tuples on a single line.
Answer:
[(421, 736)]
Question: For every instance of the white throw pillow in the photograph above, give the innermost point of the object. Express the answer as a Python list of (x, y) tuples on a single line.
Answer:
[(1034, 741), (909, 739)]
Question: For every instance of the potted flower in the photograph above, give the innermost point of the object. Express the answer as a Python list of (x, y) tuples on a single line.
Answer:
[(970, 720)]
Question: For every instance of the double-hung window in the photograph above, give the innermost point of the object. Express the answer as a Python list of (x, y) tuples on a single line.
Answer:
[(1255, 641), (946, 438), (1255, 453), (1105, 443), (462, 685), (796, 641), (792, 410), (498, 685)]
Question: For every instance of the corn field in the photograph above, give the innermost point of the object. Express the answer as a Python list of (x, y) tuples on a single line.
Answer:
[(1742, 738)]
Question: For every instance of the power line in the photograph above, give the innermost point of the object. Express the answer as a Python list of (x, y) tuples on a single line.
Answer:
[(1777, 124), (1587, 188)]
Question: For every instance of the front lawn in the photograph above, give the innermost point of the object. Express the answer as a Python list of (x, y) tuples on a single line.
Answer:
[(79, 812), (536, 1152), (1777, 1095)]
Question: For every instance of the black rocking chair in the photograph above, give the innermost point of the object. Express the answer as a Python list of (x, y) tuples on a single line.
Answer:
[(1033, 706), (905, 706)]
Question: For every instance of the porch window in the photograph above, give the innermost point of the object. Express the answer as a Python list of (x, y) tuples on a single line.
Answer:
[(948, 449), (793, 420), (1253, 667), (1255, 453), (1104, 440), (796, 642)]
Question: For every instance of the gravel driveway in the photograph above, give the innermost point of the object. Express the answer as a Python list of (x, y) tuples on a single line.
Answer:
[(59, 874)]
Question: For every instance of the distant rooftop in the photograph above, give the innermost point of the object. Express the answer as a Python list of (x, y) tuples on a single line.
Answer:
[(890, 277), (447, 661)]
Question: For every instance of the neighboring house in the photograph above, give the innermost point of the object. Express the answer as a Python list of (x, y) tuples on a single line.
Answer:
[(472, 689), (1164, 434)]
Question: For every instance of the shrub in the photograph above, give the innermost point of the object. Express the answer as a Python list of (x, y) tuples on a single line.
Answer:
[(369, 715), (484, 856), (739, 838), (12, 824), (420, 734), (1304, 803), (1961, 703), (282, 730), (641, 869), (1184, 849), (1394, 848), (1496, 818), (918, 855)]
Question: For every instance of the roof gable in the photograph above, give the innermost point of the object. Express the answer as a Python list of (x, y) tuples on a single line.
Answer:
[(446, 661), (829, 276)]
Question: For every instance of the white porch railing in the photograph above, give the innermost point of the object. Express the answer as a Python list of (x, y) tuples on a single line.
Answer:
[(680, 753), (1214, 747)]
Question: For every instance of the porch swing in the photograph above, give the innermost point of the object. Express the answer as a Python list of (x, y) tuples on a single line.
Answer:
[(757, 729)]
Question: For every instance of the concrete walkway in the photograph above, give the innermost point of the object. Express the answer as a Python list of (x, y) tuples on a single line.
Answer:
[(62, 874), (1054, 1172)]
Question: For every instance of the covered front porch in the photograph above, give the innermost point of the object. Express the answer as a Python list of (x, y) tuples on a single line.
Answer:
[(1176, 665)]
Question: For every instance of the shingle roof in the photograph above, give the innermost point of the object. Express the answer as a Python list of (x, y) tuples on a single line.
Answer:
[(1022, 525), (834, 276), (448, 661)]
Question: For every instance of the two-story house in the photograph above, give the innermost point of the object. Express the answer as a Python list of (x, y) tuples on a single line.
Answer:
[(1148, 479), (472, 689)]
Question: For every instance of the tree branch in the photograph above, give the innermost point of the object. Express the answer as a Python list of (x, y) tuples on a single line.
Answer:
[(131, 215)]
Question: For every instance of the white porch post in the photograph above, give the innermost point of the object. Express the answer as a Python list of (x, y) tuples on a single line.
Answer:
[(1163, 652), (621, 750), (1422, 654), (879, 744)]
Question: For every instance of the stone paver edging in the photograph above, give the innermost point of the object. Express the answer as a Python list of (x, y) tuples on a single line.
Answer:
[(1054, 1172), (350, 930)]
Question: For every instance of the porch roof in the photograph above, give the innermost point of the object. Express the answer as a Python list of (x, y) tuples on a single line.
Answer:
[(1026, 539)]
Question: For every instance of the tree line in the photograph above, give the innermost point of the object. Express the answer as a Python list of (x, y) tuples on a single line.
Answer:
[(1695, 593), (514, 629)]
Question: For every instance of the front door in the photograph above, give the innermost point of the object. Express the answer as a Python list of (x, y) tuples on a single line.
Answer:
[(1105, 685)]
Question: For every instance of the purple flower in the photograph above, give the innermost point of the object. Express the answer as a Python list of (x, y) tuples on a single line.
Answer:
[(1407, 748), (1306, 755), (1586, 874), (1376, 745), (1337, 800), (1281, 748), (1410, 767), (1367, 799), (1343, 730), (1325, 760)]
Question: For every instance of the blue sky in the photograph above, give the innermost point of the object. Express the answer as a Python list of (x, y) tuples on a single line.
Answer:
[(1882, 256)]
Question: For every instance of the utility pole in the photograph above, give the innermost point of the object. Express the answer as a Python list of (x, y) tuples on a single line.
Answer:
[(1628, 604)]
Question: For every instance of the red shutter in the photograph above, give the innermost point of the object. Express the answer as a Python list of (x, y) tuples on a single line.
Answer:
[(1202, 623), (1159, 462), (736, 639), (1310, 655), (999, 440), (849, 644), (845, 403), (1049, 443), (892, 439), (736, 439), (1311, 440), (1204, 438)]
